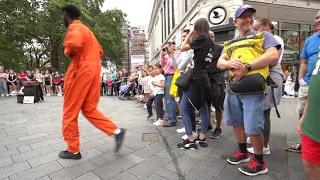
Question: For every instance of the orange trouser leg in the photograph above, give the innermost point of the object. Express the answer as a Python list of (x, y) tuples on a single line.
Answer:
[(76, 90), (89, 109)]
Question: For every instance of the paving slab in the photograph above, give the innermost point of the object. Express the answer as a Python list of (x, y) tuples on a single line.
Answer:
[(31, 139)]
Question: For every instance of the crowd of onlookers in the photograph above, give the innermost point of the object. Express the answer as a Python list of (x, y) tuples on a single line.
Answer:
[(12, 82)]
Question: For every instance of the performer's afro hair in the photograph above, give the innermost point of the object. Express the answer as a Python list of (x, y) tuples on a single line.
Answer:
[(72, 10)]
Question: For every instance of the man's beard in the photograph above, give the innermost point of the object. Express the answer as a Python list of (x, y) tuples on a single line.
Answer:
[(66, 23)]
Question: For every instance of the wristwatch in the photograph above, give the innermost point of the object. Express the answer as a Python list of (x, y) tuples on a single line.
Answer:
[(248, 66)]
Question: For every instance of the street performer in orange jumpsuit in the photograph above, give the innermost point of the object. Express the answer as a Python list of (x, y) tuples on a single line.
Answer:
[(82, 84)]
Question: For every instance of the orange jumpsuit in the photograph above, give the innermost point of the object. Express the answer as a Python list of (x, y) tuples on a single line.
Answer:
[(82, 84)]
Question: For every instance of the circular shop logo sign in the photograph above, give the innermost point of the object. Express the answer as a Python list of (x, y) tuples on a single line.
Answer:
[(217, 15)]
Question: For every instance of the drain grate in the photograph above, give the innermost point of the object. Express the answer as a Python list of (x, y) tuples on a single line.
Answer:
[(150, 137)]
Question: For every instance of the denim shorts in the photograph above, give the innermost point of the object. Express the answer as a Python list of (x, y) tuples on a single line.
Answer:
[(245, 110)]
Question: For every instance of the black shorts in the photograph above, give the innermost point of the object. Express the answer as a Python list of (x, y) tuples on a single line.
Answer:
[(218, 94), (47, 83), (15, 83)]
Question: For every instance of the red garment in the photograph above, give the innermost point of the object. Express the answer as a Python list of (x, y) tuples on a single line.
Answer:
[(22, 75), (109, 82), (82, 84), (310, 150)]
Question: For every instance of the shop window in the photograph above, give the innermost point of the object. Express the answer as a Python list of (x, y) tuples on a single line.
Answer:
[(314, 27), (291, 41), (306, 27), (275, 24), (275, 32), (304, 37), (290, 26)]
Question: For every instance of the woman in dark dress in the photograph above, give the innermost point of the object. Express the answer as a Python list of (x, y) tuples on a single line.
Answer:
[(47, 79), (12, 81)]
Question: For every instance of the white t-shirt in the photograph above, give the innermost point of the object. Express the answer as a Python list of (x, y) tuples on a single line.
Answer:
[(280, 40), (150, 79), (158, 90), (38, 77)]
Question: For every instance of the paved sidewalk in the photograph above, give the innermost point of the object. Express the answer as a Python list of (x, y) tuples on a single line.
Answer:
[(30, 139)]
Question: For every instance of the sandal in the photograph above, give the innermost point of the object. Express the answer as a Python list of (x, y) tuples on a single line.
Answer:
[(294, 148)]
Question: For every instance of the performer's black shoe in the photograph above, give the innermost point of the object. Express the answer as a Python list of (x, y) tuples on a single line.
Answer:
[(68, 155), (119, 139)]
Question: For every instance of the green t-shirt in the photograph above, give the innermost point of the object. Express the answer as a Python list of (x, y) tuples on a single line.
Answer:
[(311, 122)]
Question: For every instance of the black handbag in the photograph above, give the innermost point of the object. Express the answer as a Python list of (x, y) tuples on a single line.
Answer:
[(185, 80), (254, 83)]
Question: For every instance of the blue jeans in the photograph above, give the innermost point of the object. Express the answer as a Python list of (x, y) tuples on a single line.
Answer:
[(187, 112), (171, 103)]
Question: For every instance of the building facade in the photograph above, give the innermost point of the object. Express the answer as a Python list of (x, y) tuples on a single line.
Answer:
[(127, 35), (293, 20), (139, 46)]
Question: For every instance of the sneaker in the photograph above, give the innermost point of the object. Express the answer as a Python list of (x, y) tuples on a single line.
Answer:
[(159, 123), (186, 144), (209, 129), (248, 140), (145, 106), (68, 155), (198, 122), (48, 95), (239, 157), (119, 139), (254, 168), (213, 109), (181, 130), (2, 95), (265, 150), (167, 124), (194, 134), (201, 142), (149, 116), (216, 133), (179, 117)]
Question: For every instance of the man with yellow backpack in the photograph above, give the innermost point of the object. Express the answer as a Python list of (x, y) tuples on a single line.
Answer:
[(248, 58)]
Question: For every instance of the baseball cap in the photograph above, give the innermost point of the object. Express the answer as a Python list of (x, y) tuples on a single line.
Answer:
[(244, 7)]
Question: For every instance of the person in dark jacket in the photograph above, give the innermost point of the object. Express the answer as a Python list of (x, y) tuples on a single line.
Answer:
[(217, 83)]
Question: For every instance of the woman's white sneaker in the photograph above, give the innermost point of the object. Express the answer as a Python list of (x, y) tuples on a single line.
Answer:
[(181, 130), (159, 123), (195, 135), (265, 150)]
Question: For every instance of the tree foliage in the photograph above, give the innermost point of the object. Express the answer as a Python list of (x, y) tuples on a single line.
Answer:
[(32, 32)]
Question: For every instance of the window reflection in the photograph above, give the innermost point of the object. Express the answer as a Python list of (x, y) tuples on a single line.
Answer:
[(290, 26), (291, 45)]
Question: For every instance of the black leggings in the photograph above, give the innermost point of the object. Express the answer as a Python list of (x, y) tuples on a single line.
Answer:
[(116, 90), (158, 103)]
